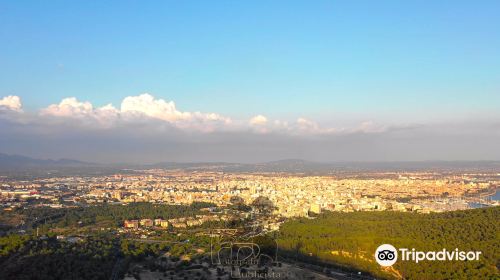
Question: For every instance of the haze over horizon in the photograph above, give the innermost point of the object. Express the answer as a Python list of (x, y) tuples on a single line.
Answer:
[(250, 81)]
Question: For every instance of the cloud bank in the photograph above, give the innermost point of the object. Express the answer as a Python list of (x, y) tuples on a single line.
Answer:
[(147, 108), (145, 129)]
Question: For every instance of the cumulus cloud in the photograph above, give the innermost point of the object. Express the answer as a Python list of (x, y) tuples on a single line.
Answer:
[(12, 103), (145, 108), (258, 120), (84, 112), (69, 107), (306, 124), (157, 113), (146, 105), (148, 129), (156, 108), (135, 108)]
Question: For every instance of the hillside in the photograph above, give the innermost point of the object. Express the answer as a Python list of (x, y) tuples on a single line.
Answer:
[(350, 240)]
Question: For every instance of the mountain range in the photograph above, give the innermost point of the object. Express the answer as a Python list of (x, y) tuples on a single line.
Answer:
[(18, 162), (23, 161)]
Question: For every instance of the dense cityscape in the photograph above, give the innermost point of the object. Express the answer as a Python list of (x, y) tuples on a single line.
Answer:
[(293, 195), (174, 216)]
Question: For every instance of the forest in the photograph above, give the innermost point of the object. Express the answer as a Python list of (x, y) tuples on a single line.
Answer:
[(95, 257), (350, 240), (344, 241), (105, 215)]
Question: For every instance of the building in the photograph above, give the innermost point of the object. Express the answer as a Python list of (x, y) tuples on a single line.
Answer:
[(131, 224), (179, 225), (192, 223), (146, 222), (164, 224), (117, 195), (315, 208)]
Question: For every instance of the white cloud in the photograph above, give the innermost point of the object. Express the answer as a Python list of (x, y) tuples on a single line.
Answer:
[(69, 107), (145, 109), (83, 111), (147, 105), (11, 102), (307, 125), (141, 107), (106, 114), (258, 120)]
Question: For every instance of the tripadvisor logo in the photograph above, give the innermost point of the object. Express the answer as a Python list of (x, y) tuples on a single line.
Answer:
[(387, 255)]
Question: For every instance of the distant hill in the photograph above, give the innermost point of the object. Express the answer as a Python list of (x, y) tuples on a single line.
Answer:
[(304, 166), (287, 165), (23, 161), (18, 163), (22, 167), (191, 165)]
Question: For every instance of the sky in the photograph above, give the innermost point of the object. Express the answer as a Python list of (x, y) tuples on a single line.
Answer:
[(250, 81)]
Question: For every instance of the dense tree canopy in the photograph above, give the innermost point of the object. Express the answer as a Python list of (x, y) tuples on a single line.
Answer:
[(110, 215), (263, 204), (351, 239), (339, 239)]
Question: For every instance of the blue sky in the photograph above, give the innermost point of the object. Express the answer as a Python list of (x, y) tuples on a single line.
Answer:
[(318, 80), (240, 58)]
